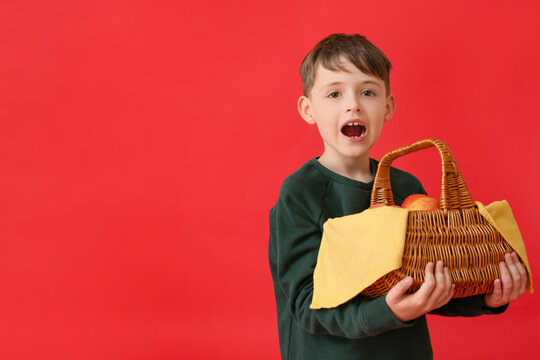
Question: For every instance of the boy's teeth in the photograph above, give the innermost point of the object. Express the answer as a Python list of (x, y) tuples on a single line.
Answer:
[(354, 129)]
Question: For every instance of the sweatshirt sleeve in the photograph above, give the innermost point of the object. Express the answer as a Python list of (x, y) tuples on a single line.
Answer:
[(468, 307), (295, 240)]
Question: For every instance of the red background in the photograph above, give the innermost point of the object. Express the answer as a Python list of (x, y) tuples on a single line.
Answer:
[(144, 142)]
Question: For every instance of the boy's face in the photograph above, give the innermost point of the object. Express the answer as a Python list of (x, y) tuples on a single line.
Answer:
[(349, 109)]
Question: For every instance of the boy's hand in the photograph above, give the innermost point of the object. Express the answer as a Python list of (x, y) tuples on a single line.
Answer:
[(514, 281), (435, 292)]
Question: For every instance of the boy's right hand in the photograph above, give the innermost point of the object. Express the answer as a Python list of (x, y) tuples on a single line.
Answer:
[(435, 292)]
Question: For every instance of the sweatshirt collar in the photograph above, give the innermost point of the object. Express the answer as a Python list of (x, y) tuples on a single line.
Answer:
[(373, 164)]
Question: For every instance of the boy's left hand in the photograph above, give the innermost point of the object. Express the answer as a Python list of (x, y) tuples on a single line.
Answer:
[(513, 279)]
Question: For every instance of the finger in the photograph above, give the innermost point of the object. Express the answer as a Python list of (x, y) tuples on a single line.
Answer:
[(506, 282), (440, 290), (399, 290), (514, 273), (450, 294), (497, 289), (429, 281), (423, 297), (523, 273), (449, 289), (495, 298), (447, 281), (439, 272)]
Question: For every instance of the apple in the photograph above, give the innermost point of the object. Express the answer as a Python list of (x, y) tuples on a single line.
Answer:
[(412, 198), (420, 202)]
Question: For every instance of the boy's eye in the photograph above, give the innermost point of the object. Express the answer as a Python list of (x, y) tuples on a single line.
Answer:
[(333, 94), (368, 92)]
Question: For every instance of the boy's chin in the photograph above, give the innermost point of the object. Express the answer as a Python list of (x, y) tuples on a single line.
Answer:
[(356, 154), (347, 156)]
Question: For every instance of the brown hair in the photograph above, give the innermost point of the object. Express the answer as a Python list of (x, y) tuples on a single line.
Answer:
[(356, 48)]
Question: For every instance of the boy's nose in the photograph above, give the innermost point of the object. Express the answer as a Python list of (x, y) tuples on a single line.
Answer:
[(353, 107)]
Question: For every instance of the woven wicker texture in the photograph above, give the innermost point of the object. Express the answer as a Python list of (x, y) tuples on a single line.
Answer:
[(456, 233)]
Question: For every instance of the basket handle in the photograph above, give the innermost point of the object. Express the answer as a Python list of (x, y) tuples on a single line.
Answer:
[(454, 191)]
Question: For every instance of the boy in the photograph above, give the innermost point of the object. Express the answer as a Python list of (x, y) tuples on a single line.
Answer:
[(346, 89)]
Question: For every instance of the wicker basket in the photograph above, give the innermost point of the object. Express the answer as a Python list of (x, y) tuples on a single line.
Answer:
[(456, 233)]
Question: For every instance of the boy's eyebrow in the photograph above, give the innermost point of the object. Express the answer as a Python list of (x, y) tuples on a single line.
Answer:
[(363, 82)]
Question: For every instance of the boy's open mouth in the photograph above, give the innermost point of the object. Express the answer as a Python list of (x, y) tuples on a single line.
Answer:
[(354, 129)]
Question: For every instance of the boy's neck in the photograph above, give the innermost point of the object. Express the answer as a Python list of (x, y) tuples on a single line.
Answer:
[(357, 168)]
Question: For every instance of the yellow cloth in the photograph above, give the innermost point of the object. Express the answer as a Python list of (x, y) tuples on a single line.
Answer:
[(358, 249), (355, 251), (499, 214)]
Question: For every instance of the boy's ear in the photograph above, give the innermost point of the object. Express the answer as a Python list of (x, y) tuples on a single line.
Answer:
[(304, 108), (390, 107)]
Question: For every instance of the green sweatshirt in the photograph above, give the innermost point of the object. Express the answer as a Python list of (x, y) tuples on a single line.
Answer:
[(362, 328)]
